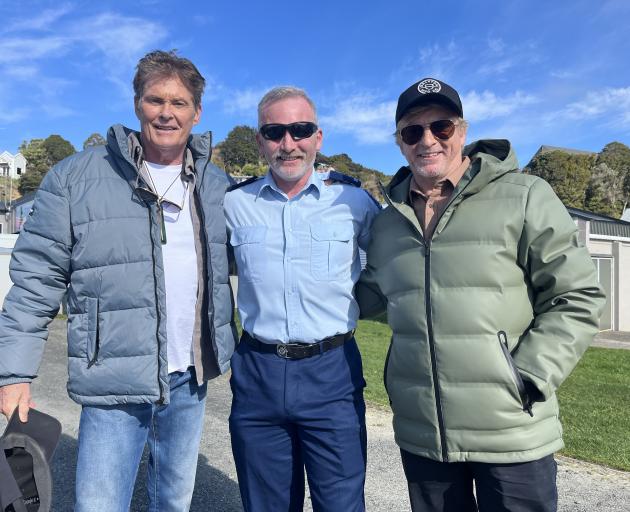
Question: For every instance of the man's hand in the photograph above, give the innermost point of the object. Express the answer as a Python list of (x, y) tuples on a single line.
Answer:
[(16, 395)]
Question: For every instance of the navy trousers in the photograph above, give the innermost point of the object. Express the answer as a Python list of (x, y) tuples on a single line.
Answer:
[(448, 486), (292, 415)]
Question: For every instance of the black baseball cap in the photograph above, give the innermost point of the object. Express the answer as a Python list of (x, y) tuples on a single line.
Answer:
[(26, 450), (429, 90)]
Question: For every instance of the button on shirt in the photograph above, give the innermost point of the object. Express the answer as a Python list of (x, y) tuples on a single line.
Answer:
[(298, 258)]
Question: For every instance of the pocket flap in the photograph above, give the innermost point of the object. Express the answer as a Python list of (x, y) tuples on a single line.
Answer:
[(248, 235), (332, 231)]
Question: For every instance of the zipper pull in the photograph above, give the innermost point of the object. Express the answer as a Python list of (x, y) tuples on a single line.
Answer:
[(503, 338), (162, 224)]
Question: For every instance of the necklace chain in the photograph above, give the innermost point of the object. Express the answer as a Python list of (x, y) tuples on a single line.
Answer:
[(160, 198)]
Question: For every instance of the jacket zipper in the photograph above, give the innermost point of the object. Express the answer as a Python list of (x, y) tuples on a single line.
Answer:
[(208, 265), (157, 309), (436, 384), (427, 301)]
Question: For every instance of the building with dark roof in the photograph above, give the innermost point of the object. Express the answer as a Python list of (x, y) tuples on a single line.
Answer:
[(608, 242)]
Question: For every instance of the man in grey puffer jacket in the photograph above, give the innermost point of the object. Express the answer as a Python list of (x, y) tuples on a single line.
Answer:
[(134, 232)]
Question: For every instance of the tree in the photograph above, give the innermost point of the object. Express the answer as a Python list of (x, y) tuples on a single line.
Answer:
[(96, 139), (617, 156), (239, 148), (567, 173), (57, 149), (41, 155), (37, 164), (604, 194)]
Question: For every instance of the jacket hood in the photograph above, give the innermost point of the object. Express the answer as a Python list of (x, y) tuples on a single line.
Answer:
[(490, 159)]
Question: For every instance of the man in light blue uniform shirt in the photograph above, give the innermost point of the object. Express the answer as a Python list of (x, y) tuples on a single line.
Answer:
[(297, 378)]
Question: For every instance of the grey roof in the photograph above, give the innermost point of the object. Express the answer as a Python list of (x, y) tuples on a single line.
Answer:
[(610, 229), (547, 149), (602, 224)]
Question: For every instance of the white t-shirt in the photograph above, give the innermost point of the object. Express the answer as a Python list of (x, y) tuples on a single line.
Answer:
[(180, 264)]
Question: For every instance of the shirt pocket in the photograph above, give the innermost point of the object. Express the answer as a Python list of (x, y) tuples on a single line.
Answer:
[(249, 250), (332, 247)]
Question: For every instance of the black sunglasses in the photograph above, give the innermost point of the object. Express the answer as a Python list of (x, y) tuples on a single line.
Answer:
[(442, 129), (298, 131)]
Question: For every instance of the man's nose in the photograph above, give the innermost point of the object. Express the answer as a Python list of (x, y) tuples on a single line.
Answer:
[(166, 110), (287, 143), (427, 139)]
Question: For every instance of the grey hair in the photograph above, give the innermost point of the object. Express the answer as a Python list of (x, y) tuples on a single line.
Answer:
[(459, 121), (160, 64), (280, 93)]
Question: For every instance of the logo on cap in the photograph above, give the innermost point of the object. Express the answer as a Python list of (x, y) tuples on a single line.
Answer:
[(429, 85)]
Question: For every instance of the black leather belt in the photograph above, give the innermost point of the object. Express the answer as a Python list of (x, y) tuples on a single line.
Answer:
[(297, 350)]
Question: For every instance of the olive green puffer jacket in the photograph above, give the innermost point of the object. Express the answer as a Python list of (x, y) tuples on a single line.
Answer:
[(503, 264)]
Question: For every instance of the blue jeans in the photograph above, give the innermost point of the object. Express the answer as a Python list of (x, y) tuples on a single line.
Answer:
[(112, 439)]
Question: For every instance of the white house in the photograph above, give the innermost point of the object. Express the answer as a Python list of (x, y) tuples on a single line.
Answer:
[(608, 242), (12, 165)]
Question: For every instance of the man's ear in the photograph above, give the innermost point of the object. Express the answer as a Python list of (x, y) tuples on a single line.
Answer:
[(197, 117)]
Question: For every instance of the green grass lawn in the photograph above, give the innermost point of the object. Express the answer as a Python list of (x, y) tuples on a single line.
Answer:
[(594, 400)]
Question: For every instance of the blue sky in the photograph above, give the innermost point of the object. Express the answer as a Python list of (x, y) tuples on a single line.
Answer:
[(535, 72)]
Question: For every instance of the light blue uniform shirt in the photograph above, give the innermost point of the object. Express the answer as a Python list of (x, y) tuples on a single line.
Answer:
[(298, 258)]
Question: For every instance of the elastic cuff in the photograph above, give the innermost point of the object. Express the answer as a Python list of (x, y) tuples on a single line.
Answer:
[(5, 381)]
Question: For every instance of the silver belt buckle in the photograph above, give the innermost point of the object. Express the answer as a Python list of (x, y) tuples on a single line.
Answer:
[(282, 350)]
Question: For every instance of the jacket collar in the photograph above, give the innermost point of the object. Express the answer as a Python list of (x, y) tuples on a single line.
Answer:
[(125, 144)]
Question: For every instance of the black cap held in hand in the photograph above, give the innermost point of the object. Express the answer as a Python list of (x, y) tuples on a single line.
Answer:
[(429, 90)]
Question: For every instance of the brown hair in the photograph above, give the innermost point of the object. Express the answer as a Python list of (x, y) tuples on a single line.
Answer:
[(160, 64)]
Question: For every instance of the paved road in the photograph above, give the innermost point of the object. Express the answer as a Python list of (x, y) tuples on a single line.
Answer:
[(583, 487), (613, 339)]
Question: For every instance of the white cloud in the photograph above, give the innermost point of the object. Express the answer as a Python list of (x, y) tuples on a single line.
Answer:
[(243, 102), (611, 101), (29, 49), (367, 119), (497, 45), (106, 43), (44, 21), (487, 105)]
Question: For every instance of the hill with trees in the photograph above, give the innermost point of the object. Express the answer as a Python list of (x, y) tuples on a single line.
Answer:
[(597, 182)]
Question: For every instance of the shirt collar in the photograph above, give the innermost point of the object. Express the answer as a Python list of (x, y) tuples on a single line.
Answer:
[(314, 183)]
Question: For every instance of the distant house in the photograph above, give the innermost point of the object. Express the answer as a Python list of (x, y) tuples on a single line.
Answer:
[(12, 165), (4, 218), (608, 242), (17, 212)]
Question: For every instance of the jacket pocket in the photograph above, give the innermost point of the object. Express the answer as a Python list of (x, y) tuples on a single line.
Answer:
[(516, 375), (331, 250), (93, 340), (249, 251)]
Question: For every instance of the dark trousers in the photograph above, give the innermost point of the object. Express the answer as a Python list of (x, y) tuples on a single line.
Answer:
[(448, 486), (291, 415)]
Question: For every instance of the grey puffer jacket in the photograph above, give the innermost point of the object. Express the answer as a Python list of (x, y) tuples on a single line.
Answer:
[(95, 231)]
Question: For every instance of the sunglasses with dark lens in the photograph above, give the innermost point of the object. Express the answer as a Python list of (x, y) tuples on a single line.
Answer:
[(298, 131), (442, 129)]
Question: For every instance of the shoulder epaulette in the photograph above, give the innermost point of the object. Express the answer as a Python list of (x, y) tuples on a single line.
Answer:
[(243, 183), (338, 177)]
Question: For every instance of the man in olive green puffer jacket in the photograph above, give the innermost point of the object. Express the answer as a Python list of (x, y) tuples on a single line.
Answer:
[(492, 302)]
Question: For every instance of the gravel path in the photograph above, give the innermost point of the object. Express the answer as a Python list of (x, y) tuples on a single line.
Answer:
[(582, 487)]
